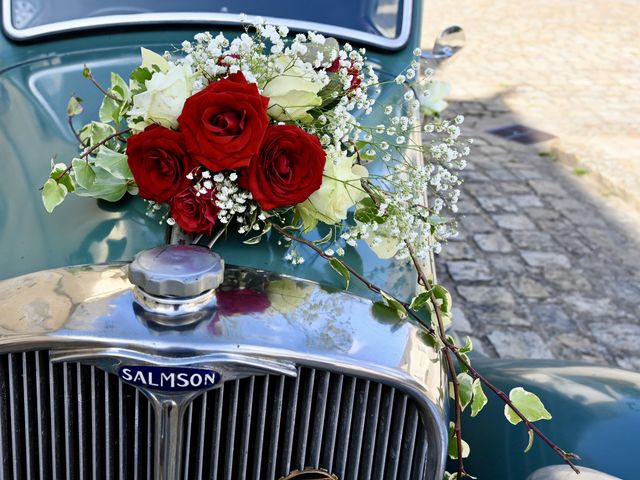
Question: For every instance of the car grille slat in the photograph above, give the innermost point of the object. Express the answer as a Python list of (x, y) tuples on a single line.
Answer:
[(260, 433), (76, 422), (335, 398), (275, 430), (319, 418)]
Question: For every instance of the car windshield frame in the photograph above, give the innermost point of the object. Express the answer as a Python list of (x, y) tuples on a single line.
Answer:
[(199, 18)]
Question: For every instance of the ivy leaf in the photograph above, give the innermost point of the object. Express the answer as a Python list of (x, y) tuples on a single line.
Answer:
[(453, 444), (465, 383), (394, 304), (114, 162), (119, 88), (74, 106), (420, 300), (468, 346), (342, 271), (444, 296), (479, 398), (109, 110), (83, 173), (60, 175), (529, 405), (96, 132), (530, 442), (105, 186), (53, 194)]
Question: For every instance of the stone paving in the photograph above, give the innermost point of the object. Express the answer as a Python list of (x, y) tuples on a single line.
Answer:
[(547, 261), (540, 269)]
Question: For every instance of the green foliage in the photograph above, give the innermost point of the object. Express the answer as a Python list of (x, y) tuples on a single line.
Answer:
[(392, 303), (528, 404), (105, 186), (60, 174), (83, 173), (479, 398), (113, 162), (53, 194), (465, 384), (420, 300), (95, 132), (444, 299), (74, 106), (453, 444), (117, 102), (342, 271), (367, 212)]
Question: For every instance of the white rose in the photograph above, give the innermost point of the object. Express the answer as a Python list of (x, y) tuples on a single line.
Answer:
[(340, 190), (163, 100), (291, 95), (432, 99)]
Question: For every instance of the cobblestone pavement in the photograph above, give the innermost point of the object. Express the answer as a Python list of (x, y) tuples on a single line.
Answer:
[(540, 269), (547, 262)]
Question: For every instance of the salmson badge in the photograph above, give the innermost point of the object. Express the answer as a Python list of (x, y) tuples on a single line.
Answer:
[(169, 379), (310, 474)]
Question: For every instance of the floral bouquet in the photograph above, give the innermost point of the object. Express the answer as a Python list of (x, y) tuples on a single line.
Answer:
[(271, 132), (232, 134)]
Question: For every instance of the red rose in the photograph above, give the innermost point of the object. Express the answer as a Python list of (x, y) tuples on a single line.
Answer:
[(288, 168), (356, 80), (194, 213), (159, 162), (223, 124)]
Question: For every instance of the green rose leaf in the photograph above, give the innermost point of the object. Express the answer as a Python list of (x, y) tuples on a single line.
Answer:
[(83, 173), (465, 383), (114, 162), (394, 304), (53, 194), (453, 444), (74, 106), (140, 75), (529, 405), (479, 398), (342, 270)]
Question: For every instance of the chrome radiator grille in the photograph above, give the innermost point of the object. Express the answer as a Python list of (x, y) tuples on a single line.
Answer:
[(70, 421)]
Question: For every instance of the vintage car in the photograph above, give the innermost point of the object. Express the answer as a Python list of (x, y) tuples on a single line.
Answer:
[(189, 364)]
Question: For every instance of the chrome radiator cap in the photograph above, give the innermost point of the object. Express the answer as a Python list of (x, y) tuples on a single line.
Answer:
[(177, 271)]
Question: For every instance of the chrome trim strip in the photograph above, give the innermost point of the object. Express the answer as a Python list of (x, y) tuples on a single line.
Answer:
[(190, 18)]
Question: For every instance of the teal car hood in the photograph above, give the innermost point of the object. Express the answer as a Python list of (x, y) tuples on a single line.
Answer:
[(33, 98)]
